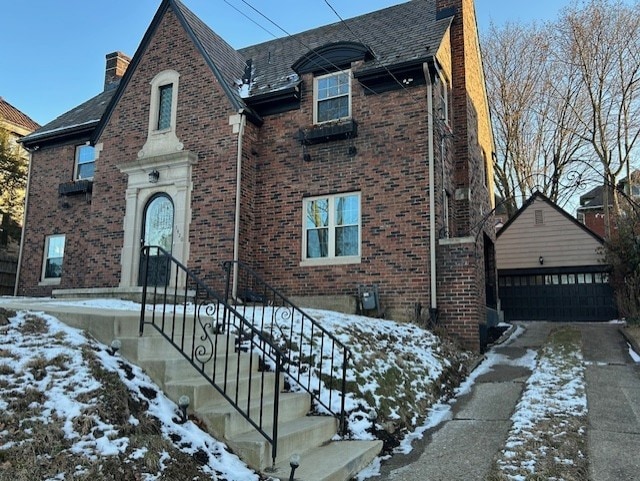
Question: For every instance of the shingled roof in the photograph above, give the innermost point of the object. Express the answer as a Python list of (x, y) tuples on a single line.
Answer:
[(401, 34), (408, 33), (80, 119), (11, 114)]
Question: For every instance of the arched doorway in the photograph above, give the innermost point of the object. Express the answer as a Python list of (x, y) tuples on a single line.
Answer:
[(157, 231)]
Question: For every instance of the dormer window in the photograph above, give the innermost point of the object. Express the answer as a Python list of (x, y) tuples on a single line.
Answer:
[(164, 106), (332, 97)]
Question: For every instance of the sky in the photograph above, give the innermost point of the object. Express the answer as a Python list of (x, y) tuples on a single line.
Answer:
[(53, 52)]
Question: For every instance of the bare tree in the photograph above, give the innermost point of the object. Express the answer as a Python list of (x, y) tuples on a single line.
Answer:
[(531, 101), (13, 177), (599, 42)]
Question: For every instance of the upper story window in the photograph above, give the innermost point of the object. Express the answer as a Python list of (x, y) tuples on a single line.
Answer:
[(163, 103), (332, 228), (85, 162), (165, 93), (442, 97), (332, 97)]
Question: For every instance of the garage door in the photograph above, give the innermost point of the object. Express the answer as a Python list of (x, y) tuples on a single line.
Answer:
[(560, 295)]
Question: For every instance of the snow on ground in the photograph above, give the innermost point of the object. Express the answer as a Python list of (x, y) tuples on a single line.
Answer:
[(634, 355), (65, 390)]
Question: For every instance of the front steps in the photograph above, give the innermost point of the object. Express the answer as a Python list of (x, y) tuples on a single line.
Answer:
[(321, 459)]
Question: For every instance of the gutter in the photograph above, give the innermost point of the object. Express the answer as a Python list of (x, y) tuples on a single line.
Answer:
[(432, 197), (240, 125), (24, 222)]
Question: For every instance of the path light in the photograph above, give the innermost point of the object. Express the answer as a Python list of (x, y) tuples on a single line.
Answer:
[(116, 344), (294, 462), (183, 404)]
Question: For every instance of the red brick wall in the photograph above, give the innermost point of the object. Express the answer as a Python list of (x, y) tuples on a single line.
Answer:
[(47, 214), (201, 124)]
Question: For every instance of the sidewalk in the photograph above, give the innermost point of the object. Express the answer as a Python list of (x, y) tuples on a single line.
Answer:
[(463, 448)]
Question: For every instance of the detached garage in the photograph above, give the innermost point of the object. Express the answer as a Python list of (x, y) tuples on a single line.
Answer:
[(549, 267)]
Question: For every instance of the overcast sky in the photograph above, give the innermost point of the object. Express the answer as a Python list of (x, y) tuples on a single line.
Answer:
[(53, 53)]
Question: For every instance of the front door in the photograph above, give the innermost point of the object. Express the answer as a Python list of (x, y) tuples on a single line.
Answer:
[(157, 231)]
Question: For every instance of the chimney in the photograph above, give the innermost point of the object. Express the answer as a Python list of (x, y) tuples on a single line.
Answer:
[(117, 64)]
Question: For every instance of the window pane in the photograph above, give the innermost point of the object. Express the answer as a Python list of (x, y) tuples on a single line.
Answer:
[(317, 243), (333, 86), (164, 112), (85, 171), (333, 109), (55, 247), (347, 210), (318, 213), (347, 241), (53, 267)]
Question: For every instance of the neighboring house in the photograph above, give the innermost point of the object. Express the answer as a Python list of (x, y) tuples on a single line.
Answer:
[(15, 125), (591, 211), (550, 267), (351, 154)]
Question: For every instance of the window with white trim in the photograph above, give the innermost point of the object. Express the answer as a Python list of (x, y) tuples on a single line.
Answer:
[(85, 162), (53, 257), (332, 227), (442, 97), (163, 102), (332, 97)]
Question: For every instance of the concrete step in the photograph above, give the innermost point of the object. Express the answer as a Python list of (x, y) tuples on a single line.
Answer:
[(171, 369), (225, 421), (298, 435), (335, 461), (156, 347), (202, 393)]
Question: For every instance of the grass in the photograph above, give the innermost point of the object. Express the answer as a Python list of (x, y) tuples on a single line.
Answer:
[(36, 444), (554, 446)]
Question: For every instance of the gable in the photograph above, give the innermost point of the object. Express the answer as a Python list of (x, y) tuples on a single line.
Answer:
[(542, 229)]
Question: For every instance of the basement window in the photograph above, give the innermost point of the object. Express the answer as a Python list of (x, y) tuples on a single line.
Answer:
[(53, 257)]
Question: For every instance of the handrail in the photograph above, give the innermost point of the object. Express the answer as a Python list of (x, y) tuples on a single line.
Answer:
[(190, 315), (247, 289)]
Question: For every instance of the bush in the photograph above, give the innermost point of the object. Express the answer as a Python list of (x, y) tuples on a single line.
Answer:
[(622, 252)]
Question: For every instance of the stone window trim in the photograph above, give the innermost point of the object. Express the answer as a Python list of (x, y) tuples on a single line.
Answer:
[(330, 258), (165, 80), (52, 259), (442, 99), (322, 94)]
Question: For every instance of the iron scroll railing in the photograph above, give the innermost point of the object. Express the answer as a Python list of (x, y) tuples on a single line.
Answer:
[(212, 330), (190, 315), (317, 360)]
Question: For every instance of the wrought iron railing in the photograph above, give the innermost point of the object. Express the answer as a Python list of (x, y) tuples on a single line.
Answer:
[(316, 360), (190, 316), (198, 321)]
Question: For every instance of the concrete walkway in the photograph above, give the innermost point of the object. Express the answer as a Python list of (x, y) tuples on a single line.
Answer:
[(463, 448)]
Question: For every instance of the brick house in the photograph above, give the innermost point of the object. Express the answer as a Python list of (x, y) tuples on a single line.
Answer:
[(351, 154)]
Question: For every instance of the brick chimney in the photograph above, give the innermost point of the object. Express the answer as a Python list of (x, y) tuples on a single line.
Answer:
[(117, 64)]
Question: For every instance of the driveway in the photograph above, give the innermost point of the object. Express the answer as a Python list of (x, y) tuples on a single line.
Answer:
[(463, 448)]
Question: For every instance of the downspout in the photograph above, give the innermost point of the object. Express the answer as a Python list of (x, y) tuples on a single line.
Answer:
[(236, 235), (24, 223), (432, 197)]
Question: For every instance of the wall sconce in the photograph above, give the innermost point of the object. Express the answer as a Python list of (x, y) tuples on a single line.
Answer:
[(183, 404), (541, 260), (154, 175), (306, 157)]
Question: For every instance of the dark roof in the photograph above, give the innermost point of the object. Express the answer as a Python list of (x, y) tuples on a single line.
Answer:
[(11, 114), (404, 33), (82, 118), (541, 196), (594, 199), (408, 33)]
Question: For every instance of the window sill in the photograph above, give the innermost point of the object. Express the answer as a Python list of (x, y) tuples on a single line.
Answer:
[(50, 282), (330, 261)]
